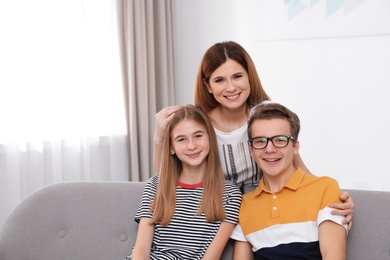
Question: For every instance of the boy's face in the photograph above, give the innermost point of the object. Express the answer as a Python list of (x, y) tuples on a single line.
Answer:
[(272, 160)]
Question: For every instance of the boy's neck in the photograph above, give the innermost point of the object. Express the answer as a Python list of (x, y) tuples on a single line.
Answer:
[(275, 182)]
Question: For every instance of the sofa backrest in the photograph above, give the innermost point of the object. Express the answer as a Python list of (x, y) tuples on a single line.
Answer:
[(95, 220), (369, 237), (73, 220)]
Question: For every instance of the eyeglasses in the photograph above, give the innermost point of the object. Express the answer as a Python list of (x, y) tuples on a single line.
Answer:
[(279, 141)]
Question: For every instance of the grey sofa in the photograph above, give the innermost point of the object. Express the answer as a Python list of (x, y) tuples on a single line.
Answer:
[(94, 220)]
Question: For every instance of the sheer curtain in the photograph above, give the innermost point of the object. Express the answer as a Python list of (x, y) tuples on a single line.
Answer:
[(62, 108)]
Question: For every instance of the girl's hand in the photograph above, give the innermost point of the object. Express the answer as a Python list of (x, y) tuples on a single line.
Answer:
[(344, 209)]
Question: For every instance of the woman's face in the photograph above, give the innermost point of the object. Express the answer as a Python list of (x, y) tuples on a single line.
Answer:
[(229, 84)]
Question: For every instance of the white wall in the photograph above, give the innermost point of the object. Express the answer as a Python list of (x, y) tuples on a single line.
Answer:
[(340, 86)]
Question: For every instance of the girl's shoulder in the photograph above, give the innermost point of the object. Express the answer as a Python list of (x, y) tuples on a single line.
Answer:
[(153, 182), (231, 188)]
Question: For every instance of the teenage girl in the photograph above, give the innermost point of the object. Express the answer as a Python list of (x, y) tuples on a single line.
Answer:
[(188, 210)]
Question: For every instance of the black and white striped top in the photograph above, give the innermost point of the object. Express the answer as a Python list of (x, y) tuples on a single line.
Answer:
[(188, 235)]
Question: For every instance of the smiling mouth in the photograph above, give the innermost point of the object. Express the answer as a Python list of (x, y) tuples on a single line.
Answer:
[(271, 160), (193, 155), (233, 96)]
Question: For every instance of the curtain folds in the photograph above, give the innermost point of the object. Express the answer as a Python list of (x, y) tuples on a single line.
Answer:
[(147, 47)]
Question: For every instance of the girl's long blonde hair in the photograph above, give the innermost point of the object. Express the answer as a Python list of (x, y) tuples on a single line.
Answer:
[(163, 206)]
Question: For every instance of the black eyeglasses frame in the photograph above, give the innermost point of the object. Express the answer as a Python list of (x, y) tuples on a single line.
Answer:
[(250, 141)]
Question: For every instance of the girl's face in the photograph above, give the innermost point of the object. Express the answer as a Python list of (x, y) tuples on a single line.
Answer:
[(229, 84), (190, 143)]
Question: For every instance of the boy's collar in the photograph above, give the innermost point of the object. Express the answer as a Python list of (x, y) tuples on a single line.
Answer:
[(292, 184)]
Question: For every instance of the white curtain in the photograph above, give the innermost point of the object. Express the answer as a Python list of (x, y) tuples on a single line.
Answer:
[(62, 111)]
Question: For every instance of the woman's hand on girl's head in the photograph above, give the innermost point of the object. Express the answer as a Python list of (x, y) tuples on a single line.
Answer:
[(163, 117), (344, 209)]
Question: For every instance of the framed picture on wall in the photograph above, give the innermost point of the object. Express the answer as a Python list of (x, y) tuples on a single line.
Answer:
[(302, 19)]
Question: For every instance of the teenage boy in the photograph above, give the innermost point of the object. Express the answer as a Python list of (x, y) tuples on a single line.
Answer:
[(288, 215)]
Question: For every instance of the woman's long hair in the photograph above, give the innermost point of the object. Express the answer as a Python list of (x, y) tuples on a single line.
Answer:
[(214, 57), (163, 206)]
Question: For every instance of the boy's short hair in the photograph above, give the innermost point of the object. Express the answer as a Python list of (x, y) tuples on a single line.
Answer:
[(271, 110)]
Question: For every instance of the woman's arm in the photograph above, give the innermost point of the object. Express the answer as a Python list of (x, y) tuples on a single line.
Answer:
[(242, 250), (298, 162), (333, 240), (143, 244), (163, 117), (215, 249)]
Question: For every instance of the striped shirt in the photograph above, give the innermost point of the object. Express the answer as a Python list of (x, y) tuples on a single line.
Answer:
[(237, 163), (188, 235), (288, 226)]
